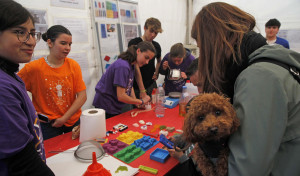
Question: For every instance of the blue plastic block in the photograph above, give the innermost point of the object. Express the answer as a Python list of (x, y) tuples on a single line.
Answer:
[(171, 102), (160, 155), (166, 142), (145, 143)]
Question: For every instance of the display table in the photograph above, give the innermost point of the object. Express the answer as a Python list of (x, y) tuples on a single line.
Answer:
[(171, 119)]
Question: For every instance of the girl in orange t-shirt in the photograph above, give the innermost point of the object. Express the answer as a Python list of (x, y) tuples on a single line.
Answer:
[(56, 84)]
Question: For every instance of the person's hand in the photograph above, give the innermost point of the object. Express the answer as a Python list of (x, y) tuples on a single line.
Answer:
[(165, 65), (175, 154), (183, 75), (143, 95), (59, 122), (146, 99), (155, 76)]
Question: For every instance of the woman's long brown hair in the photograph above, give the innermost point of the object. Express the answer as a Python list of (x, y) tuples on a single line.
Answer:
[(219, 29)]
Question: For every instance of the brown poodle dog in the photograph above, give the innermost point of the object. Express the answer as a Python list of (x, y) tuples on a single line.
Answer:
[(209, 122)]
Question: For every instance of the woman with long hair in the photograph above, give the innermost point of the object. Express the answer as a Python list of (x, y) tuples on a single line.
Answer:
[(266, 95)]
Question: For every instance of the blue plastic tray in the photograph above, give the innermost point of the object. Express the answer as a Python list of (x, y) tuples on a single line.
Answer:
[(160, 155), (145, 143), (171, 102)]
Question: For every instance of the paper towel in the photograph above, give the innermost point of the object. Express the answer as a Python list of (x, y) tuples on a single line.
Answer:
[(92, 124)]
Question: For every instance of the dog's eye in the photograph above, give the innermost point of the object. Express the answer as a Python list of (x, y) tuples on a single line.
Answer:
[(201, 117), (218, 112)]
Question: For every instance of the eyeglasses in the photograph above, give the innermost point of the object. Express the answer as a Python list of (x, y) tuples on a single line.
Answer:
[(23, 36)]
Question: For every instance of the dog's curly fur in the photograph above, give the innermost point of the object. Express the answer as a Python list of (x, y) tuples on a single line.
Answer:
[(210, 120)]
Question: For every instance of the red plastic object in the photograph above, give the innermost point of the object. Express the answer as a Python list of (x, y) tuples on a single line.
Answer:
[(96, 169), (106, 58)]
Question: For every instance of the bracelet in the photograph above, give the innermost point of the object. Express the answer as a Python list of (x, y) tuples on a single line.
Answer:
[(143, 90), (142, 101)]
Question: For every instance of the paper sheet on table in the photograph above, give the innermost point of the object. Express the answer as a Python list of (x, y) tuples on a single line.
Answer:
[(65, 164)]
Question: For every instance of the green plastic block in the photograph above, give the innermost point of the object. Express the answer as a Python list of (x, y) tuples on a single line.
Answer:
[(129, 153), (148, 169)]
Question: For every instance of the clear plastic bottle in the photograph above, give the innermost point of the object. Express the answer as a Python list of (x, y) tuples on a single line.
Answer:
[(184, 99), (159, 106), (192, 90), (153, 96)]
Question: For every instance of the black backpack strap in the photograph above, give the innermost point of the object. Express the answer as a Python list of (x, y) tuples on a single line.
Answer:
[(293, 70)]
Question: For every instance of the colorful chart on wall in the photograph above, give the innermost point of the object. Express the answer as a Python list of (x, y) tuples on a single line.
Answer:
[(116, 24), (129, 12), (109, 43), (106, 10)]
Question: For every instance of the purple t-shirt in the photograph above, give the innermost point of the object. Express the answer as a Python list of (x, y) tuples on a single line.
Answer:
[(120, 73), (19, 123), (175, 85)]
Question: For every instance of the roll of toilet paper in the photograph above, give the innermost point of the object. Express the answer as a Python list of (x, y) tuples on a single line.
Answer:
[(92, 124)]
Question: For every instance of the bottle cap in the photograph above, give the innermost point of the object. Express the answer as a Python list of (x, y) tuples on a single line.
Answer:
[(188, 81), (184, 87)]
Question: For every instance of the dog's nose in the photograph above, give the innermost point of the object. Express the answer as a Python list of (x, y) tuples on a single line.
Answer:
[(214, 130)]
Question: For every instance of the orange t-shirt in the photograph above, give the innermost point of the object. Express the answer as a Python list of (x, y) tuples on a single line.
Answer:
[(53, 89)]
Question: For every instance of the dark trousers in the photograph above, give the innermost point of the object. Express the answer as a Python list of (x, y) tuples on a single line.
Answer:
[(50, 132)]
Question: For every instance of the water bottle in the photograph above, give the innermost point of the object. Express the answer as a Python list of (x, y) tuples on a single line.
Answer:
[(192, 90), (159, 106), (184, 99)]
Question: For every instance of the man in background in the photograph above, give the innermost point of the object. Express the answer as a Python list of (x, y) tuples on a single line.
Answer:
[(146, 76), (271, 29)]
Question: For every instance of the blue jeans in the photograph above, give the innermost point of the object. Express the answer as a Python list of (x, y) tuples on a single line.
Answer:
[(50, 132)]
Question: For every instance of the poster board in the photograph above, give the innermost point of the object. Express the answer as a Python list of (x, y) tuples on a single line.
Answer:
[(116, 23)]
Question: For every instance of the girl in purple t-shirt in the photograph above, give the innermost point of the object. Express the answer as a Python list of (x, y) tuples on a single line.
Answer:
[(180, 59), (114, 89), (21, 142)]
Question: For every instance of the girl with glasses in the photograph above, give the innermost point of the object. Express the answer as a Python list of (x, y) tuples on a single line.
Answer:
[(21, 141), (56, 84)]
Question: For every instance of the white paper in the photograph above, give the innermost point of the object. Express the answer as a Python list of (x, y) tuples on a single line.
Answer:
[(130, 32), (81, 59), (65, 164), (77, 26), (78, 4), (40, 20)]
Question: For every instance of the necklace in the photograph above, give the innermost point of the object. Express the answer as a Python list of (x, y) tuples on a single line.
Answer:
[(46, 59)]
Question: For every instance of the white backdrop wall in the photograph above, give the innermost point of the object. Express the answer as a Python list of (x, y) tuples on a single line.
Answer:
[(287, 12), (172, 15)]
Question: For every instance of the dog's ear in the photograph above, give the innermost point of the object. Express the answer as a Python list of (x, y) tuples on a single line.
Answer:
[(187, 128)]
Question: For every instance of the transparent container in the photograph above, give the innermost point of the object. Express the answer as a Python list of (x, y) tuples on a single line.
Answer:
[(159, 105), (184, 99), (192, 90), (153, 96)]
